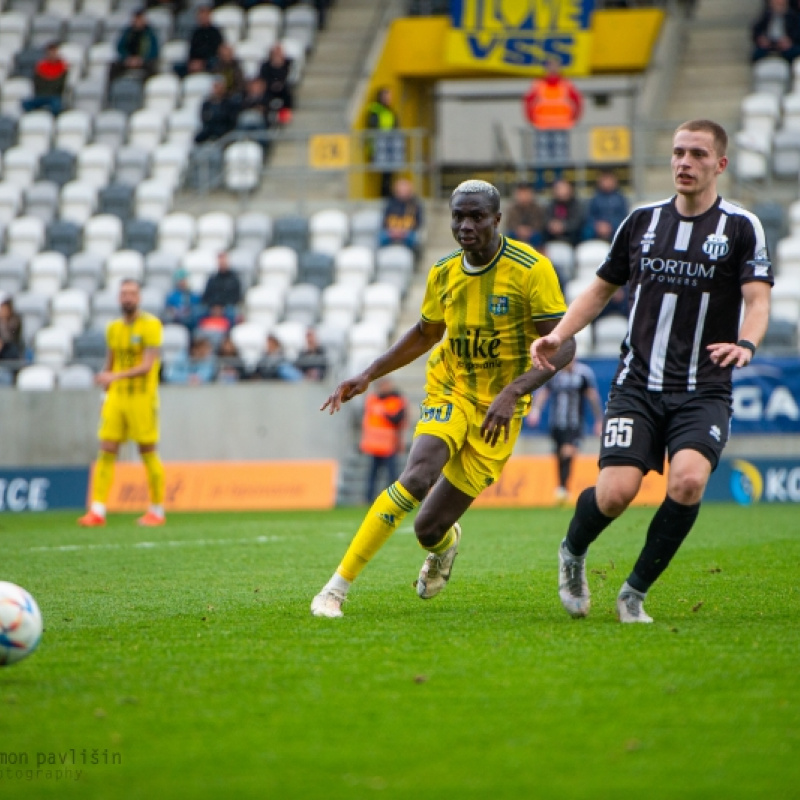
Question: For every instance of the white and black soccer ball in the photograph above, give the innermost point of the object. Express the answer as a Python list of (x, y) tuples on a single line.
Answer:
[(20, 623)]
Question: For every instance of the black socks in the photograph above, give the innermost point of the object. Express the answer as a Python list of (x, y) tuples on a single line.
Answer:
[(587, 523)]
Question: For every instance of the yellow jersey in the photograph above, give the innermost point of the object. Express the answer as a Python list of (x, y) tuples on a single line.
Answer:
[(490, 315), (126, 343)]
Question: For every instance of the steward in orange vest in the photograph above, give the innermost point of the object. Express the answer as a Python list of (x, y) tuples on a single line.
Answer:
[(553, 103), (384, 419)]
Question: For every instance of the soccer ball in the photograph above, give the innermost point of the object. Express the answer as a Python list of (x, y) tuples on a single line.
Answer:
[(20, 623)]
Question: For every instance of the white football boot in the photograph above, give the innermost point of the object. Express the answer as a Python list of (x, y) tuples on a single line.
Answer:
[(436, 570), (573, 589), (630, 605), (328, 603)]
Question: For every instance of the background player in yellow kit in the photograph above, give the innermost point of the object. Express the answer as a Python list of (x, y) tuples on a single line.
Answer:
[(492, 297), (130, 409)]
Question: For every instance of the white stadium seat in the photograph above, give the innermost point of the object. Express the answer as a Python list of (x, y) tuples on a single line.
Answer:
[(102, 234), (52, 346), (47, 273), (263, 305), (36, 378), (278, 265), (69, 309), (176, 233)]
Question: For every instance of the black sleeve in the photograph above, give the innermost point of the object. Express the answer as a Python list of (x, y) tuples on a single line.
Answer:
[(616, 268)]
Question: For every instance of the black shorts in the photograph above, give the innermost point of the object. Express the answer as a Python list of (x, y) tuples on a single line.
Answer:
[(640, 426), (562, 436)]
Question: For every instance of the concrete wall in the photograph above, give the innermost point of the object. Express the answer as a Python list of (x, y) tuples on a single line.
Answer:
[(258, 421)]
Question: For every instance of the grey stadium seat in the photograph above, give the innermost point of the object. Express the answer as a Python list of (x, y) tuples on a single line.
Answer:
[(88, 94), (33, 308), (13, 273), (8, 132), (292, 232), (302, 303), (25, 61), (105, 309), (45, 28), (116, 199), (159, 269), (126, 95), (110, 127), (41, 200), (133, 165), (253, 230), (83, 29), (316, 268), (86, 271), (89, 348), (64, 237), (57, 166), (141, 235)]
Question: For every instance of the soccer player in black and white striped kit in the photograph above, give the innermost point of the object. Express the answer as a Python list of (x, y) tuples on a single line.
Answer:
[(689, 262)]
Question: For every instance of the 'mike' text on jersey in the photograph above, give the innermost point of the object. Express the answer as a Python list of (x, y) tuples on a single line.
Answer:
[(684, 274)]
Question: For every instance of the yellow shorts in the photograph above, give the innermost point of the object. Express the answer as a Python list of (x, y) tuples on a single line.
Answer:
[(473, 463), (133, 419)]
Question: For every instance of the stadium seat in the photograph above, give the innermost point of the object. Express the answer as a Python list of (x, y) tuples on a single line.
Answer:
[(609, 332), (125, 94), (341, 305), (185, 23), (263, 305), (381, 304), (140, 235), (355, 265), (86, 271), (8, 132), (394, 258), (83, 28), (121, 265), (169, 164), (786, 154), (175, 51), (162, 93), (161, 20), (25, 236), (251, 54), (89, 348), (576, 286), (73, 130), (316, 268), (175, 343), (788, 256), (292, 336), (264, 23), (589, 256), (133, 165), (117, 199), (760, 113), (205, 170), (295, 50), (14, 27), (785, 298), (15, 90), (20, 166), (752, 157), (562, 256), (57, 166), (78, 202), (182, 125), (74, 53), (105, 309), (773, 220), (34, 310), (69, 309), (291, 231), (47, 273), (793, 215), (36, 378), (35, 131), (64, 9), (146, 128), (302, 304), (195, 89), (88, 94), (278, 265), (102, 234), (329, 231), (152, 300), (75, 377), (300, 24), (159, 269), (13, 273), (250, 341), (365, 226), (10, 202), (771, 76), (199, 264), (230, 20), (45, 28), (334, 339), (366, 341), (110, 127), (64, 237), (243, 163), (243, 262), (176, 233), (52, 346), (41, 200), (152, 200), (253, 231), (215, 231), (95, 164)]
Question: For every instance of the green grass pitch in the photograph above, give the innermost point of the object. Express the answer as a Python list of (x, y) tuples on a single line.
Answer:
[(188, 653)]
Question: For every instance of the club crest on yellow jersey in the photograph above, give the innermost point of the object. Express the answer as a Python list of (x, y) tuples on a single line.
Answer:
[(498, 305)]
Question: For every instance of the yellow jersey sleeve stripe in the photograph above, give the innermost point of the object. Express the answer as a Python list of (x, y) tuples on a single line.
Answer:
[(442, 261)]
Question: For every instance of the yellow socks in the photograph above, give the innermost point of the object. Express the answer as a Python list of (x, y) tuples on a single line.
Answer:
[(103, 476), (155, 477), (448, 540), (379, 524)]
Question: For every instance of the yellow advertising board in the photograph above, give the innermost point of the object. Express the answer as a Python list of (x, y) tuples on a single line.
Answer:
[(329, 151), (610, 143), (531, 481), (519, 37), (230, 486)]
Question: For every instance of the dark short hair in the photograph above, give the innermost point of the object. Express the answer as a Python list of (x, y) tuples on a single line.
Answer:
[(708, 126), (480, 187), (134, 281)]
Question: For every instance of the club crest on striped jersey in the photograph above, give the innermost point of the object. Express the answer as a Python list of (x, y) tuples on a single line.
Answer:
[(498, 305), (648, 240), (716, 245)]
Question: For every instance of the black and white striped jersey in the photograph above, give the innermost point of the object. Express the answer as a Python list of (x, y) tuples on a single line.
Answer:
[(567, 396), (684, 277)]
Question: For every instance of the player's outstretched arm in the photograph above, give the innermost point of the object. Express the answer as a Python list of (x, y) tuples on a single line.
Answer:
[(584, 309), (501, 411), (411, 345), (754, 325)]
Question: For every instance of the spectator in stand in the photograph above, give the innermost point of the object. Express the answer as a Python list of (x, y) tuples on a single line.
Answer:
[(227, 67), (606, 209), (382, 434), (218, 114), (274, 365), (230, 367), (203, 44), (564, 216), (313, 360), (137, 49), (182, 306), (11, 347), (381, 117), (223, 289), (254, 106), (49, 82), (275, 74), (777, 32), (525, 217), (402, 216), (214, 325), (196, 367)]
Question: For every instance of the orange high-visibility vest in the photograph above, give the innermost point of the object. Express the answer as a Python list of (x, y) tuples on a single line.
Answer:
[(379, 436), (551, 106)]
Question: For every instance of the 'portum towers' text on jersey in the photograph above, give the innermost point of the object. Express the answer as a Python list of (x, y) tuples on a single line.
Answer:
[(684, 277), (490, 315)]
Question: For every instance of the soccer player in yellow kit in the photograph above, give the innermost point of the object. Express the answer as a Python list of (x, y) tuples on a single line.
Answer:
[(130, 408), (492, 298)]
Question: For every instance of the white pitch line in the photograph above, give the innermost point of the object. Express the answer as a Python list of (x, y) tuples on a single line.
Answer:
[(68, 548)]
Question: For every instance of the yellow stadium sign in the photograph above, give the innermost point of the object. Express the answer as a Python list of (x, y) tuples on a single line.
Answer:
[(329, 151), (520, 36), (610, 144)]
